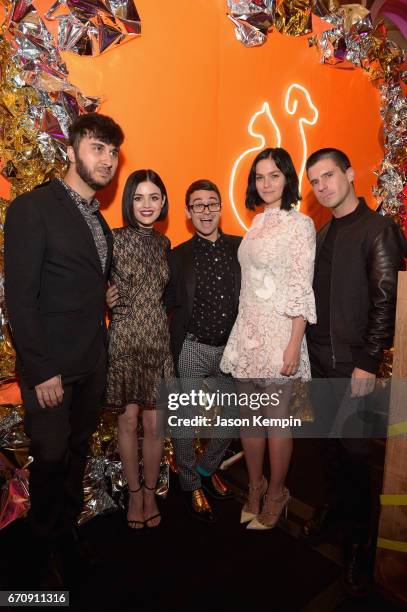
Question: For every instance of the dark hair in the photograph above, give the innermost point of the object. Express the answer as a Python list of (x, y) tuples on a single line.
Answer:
[(133, 181), (99, 126), (336, 155), (204, 184), (283, 161)]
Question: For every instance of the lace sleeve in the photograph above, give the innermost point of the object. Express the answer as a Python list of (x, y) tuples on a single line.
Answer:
[(299, 293)]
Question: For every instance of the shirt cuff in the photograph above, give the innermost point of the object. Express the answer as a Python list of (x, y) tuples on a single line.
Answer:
[(365, 361)]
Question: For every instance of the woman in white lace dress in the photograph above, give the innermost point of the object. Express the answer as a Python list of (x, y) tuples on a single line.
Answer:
[(266, 349)]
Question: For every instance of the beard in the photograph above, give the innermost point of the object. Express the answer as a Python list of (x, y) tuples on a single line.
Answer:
[(85, 174)]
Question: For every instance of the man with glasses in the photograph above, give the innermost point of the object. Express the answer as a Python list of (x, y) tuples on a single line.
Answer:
[(203, 298)]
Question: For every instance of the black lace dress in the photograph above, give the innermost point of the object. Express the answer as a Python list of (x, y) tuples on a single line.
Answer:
[(139, 345)]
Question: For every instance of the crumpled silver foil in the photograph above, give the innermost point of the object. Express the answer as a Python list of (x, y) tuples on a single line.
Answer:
[(89, 27), (97, 500), (10, 419), (39, 102), (252, 20)]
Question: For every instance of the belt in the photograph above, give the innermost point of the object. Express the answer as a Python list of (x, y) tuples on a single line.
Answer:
[(193, 338)]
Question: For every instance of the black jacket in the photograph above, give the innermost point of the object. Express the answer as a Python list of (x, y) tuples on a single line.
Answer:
[(180, 292), (55, 287), (367, 256)]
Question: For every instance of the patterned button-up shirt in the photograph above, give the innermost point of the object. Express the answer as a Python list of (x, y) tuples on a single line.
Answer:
[(213, 311), (88, 210)]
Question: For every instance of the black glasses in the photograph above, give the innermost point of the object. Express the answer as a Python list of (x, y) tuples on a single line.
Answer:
[(199, 207)]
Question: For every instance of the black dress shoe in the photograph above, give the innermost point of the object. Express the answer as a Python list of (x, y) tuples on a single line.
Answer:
[(67, 564), (199, 506), (356, 579), (87, 554), (72, 558), (215, 487), (318, 527)]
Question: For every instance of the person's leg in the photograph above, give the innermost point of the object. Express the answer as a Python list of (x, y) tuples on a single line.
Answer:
[(85, 412), (327, 387), (192, 369), (152, 455), (224, 388), (279, 444), (254, 444), (49, 432), (128, 449)]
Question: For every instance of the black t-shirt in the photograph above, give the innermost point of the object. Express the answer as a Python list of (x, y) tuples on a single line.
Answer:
[(320, 332)]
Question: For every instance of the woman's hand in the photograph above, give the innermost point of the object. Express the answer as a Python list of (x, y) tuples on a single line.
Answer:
[(112, 296), (291, 359)]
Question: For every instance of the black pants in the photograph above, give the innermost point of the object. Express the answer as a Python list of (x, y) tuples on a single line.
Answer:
[(345, 458), (59, 444)]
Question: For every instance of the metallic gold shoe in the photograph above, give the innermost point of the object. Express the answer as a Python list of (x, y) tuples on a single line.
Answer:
[(255, 495), (271, 512), (215, 487), (199, 506)]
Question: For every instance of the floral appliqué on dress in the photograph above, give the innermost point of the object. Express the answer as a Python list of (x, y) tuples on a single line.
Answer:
[(277, 261)]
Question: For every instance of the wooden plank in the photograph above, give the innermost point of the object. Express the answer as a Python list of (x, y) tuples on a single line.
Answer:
[(391, 556)]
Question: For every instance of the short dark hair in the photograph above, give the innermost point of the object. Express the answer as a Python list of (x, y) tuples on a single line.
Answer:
[(133, 181), (99, 126), (204, 184), (283, 161), (336, 155)]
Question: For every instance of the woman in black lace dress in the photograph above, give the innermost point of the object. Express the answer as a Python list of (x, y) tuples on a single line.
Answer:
[(139, 346)]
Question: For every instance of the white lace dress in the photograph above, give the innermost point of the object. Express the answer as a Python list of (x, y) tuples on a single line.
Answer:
[(277, 261)]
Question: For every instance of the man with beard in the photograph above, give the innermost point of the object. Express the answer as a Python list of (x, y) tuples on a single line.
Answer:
[(203, 299), (58, 249)]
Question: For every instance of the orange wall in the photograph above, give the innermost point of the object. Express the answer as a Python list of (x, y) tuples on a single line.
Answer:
[(184, 93)]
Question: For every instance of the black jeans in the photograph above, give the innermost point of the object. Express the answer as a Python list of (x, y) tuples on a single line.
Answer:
[(345, 460), (59, 445)]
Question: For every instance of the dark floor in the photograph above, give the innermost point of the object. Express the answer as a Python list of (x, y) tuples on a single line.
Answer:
[(187, 566)]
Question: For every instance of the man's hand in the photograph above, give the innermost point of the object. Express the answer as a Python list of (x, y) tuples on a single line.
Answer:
[(362, 382), (112, 296), (50, 392), (291, 359)]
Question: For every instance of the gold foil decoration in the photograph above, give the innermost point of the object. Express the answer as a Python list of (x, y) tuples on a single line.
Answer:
[(104, 440), (386, 366), (254, 19), (293, 18), (326, 7), (169, 455), (300, 405), (7, 353)]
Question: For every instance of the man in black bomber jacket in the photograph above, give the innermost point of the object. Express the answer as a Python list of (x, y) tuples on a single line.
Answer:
[(358, 256), (202, 298)]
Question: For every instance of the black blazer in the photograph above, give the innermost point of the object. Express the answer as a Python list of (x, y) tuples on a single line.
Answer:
[(180, 291), (54, 285)]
